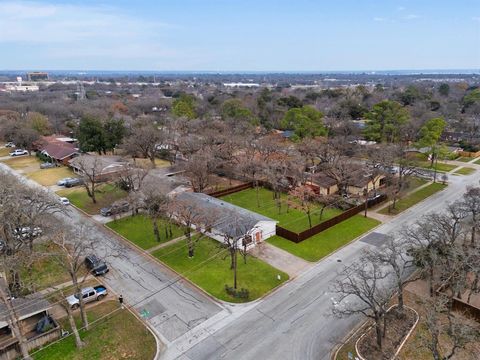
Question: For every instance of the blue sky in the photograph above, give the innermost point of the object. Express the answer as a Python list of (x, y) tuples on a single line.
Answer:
[(227, 35)]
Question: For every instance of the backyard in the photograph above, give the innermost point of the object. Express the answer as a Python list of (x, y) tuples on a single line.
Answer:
[(210, 269), (413, 198), (118, 336), (49, 177), (291, 218), (324, 243), (106, 194), (139, 230)]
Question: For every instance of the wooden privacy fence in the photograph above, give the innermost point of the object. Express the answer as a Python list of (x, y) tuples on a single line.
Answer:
[(231, 190), (469, 154), (299, 237)]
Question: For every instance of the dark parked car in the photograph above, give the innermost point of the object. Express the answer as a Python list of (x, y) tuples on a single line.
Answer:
[(95, 265), (114, 209), (73, 182)]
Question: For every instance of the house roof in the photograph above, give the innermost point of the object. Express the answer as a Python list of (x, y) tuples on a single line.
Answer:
[(104, 164), (233, 220), (24, 307), (322, 180), (59, 151)]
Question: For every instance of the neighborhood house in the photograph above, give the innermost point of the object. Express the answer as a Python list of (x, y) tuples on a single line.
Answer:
[(232, 221)]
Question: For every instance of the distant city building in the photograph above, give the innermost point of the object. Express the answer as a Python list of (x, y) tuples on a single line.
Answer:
[(37, 76)]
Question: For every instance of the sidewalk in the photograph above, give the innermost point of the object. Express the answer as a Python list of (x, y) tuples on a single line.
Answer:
[(281, 259)]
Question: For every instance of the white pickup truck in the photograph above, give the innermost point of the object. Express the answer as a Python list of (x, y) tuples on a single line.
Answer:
[(88, 294)]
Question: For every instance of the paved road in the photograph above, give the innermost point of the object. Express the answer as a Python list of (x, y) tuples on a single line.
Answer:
[(295, 321), (171, 308)]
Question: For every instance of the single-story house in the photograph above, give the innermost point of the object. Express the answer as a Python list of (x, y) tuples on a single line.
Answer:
[(60, 149), (103, 167), (322, 184), (231, 220), (31, 310), (361, 180)]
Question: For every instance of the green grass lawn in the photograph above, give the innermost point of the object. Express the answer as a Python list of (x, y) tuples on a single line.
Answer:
[(441, 167), (44, 272), (106, 194), (294, 219), (465, 171), (464, 159), (48, 177), (211, 270), (477, 162), (119, 336), (324, 243), (139, 230), (413, 199)]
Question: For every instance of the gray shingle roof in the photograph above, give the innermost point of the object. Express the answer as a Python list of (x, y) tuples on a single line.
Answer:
[(233, 220)]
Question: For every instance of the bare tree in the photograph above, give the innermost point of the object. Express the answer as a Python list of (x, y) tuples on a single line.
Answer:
[(458, 331), (70, 255), (471, 205), (360, 290), (198, 169), (156, 204), (191, 217), (144, 140), (91, 167), (305, 195), (393, 254)]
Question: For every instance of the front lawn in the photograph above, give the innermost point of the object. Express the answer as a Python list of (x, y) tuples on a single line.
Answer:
[(464, 159), (294, 219), (210, 269), (118, 336), (44, 272), (139, 230), (25, 163), (465, 171), (5, 151), (324, 243), (441, 167), (105, 195), (49, 177), (413, 199)]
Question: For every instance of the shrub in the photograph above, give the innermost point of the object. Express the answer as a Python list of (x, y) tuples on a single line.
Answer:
[(239, 294)]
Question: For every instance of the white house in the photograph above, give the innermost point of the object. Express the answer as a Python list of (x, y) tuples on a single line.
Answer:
[(231, 220)]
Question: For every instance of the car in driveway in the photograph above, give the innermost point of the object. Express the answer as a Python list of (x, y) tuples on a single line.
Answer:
[(10, 144), (115, 208), (73, 182), (27, 232), (88, 294), (19, 152), (47, 165), (62, 182), (64, 201), (95, 265)]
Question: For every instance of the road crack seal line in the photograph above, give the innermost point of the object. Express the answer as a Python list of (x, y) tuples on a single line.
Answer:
[(267, 316)]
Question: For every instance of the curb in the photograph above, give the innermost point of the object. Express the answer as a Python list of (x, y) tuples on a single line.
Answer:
[(403, 341)]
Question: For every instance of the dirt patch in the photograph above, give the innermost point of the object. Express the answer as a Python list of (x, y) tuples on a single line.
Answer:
[(398, 326)]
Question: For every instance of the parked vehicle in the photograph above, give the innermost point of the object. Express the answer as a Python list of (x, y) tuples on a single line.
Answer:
[(116, 208), (96, 266), (19, 152), (47, 165), (10, 144), (88, 294), (64, 201), (63, 181), (73, 182), (27, 232)]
